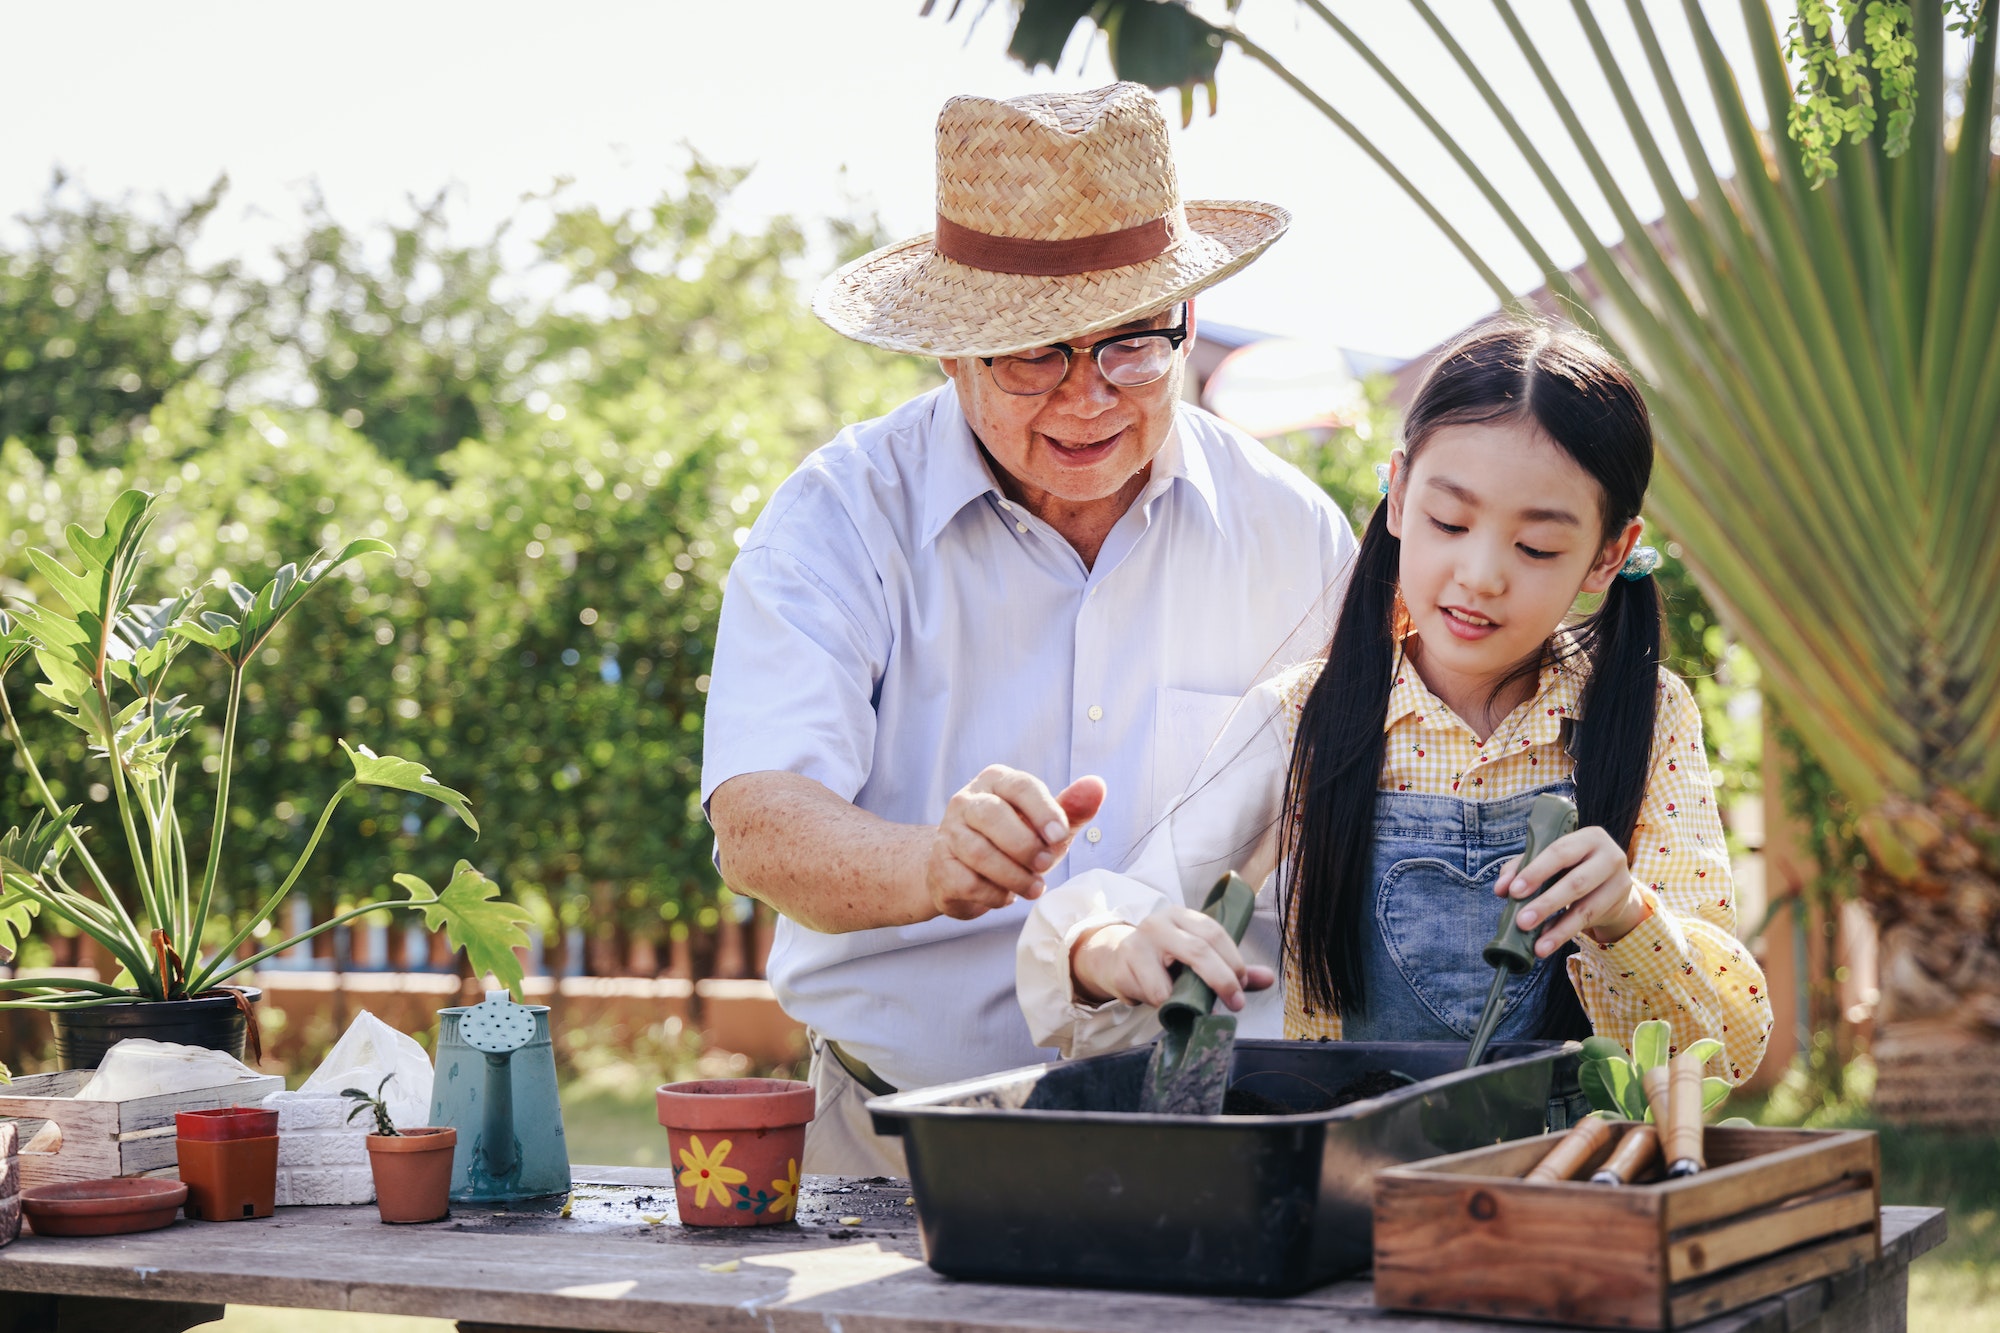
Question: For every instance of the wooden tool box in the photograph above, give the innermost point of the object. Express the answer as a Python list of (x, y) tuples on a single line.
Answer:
[(105, 1139), (1465, 1234)]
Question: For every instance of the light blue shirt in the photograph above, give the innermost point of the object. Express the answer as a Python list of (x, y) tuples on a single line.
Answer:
[(894, 624)]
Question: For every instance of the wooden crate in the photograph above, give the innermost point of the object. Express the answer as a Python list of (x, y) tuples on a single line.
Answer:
[(105, 1139), (1465, 1234), (10, 1184)]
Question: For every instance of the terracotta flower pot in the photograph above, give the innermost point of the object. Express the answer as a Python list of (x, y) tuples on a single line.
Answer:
[(227, 1122), (412, 1173), (736, 1144), (229, 1180)]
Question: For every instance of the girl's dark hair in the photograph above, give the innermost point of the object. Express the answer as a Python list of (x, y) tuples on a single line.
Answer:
[(1582, 400)]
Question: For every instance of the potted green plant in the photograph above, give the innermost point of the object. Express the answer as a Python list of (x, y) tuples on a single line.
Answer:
[(104, 657), (412, 1167)]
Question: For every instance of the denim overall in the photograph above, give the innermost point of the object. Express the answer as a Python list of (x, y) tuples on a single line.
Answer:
[(1434, 911)]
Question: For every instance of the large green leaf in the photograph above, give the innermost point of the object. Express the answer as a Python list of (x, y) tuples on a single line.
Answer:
[(1652, 1041), (475, 919), (386, 770), (17, 914), (1612, 1085), (38, 849), (238, 637)]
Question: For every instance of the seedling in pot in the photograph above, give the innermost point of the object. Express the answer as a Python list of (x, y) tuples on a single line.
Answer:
[(363, 1102)]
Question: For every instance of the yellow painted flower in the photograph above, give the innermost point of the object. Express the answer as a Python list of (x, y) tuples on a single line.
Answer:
[(706, 1174), (786, 1202)]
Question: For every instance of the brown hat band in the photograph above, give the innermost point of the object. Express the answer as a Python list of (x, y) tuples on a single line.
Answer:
[(1055, 259)]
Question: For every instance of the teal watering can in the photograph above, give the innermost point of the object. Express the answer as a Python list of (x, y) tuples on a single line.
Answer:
[(496, 1085)]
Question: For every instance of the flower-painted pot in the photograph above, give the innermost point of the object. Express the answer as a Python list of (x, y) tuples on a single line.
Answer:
[(230, 1179), (413, 1173), (735, 1145)]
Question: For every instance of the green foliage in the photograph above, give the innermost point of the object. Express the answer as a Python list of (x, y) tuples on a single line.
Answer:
[(1834, 98), (373, 1104), (467, 911), (108, 647), (419, 352), (1615, 1082), (546, 622), (103, 314), (1160, 45)]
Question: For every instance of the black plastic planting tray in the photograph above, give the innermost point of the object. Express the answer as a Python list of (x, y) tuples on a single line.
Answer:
[(1051, 1175)]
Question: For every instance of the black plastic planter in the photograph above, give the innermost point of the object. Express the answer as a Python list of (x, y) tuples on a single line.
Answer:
[(1050, 1174), (214, 1021)]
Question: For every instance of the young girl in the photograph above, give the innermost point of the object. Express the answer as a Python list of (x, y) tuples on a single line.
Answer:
[(1389, 786)]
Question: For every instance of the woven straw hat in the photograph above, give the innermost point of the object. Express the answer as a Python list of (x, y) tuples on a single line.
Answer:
[(1059, 214)]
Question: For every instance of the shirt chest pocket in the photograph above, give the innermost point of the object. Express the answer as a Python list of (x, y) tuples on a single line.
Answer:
[(1185, 725)]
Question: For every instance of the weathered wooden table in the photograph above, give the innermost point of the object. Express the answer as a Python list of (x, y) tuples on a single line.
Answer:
[(622, 1262)]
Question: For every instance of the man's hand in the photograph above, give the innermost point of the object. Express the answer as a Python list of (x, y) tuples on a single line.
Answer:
[(1000, 834), (1121, 962)]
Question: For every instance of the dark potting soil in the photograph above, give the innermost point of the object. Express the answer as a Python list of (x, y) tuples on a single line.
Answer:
[(1240, 1100)]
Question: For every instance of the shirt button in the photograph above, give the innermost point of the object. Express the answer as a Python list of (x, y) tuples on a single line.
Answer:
[(1096, 713), (1095, 835), (1020, 527)]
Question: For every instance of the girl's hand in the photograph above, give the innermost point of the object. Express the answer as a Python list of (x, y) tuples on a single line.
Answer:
[(1121, 962), (1598, 894)]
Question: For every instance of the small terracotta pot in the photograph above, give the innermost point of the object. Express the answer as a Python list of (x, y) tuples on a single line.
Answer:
[(227, 1122), (736, 1145), (229, 1180), (412, 1173)]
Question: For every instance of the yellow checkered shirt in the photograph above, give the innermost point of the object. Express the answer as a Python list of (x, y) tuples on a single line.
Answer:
[(1683, 963)]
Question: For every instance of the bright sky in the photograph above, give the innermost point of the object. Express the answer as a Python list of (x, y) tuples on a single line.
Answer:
[(832, 102)]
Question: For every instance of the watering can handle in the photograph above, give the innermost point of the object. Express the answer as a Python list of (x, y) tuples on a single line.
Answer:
[(1230, 903)]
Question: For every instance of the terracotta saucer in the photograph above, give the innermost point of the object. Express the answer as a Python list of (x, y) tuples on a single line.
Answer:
[(102, 1207)]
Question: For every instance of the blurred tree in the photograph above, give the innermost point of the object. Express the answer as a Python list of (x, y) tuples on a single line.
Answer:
[(103, 313), (419, 349), (546, 631)]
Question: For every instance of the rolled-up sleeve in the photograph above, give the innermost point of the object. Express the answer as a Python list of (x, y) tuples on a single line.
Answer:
[(1226, 820), (797, 656)]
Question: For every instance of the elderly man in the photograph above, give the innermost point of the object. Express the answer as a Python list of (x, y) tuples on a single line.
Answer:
[(986, 639)]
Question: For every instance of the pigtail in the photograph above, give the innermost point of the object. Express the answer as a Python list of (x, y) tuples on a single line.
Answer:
[(1613, 749), (1328, 828), (1621, 700)]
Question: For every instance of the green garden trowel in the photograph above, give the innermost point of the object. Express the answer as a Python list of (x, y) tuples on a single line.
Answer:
[(1189, 1073), (1512, 950)]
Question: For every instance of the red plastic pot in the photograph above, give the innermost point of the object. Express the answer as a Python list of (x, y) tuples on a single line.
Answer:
[(412, 1172), (227, 1122), (736, 1145)]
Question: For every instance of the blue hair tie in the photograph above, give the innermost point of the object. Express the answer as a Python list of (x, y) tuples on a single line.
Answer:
[(1382, 478), (1640, 564)]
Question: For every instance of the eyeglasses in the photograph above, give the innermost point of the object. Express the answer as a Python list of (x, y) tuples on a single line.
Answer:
[(1131, 362)]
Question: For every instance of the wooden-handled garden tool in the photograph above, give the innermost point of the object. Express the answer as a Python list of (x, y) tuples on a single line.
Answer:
[(1189, 1073), (1512, 950)]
